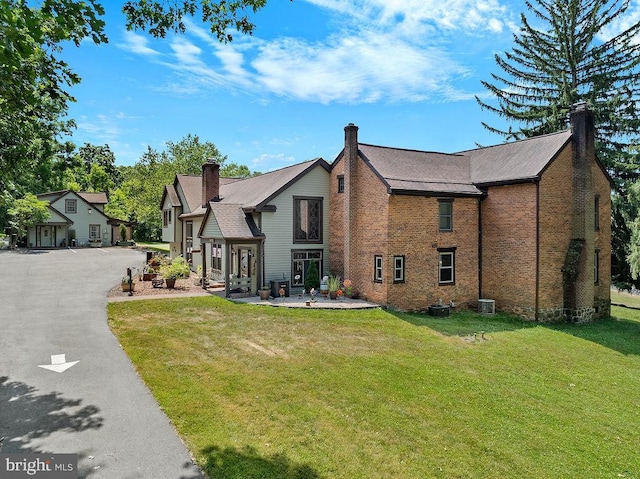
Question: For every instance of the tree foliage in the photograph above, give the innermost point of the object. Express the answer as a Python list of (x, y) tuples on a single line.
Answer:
[(559, 59), (26, 212), (34, 81), (138, 197), (223, 17)]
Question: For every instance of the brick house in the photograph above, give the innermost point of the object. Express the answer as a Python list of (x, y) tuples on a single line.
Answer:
[(526, 224)]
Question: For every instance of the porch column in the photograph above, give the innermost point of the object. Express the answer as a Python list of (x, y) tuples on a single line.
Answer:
[(227, 268)]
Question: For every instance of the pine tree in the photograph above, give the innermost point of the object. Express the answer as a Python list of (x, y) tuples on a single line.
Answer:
[(560, 61), (560, 58)]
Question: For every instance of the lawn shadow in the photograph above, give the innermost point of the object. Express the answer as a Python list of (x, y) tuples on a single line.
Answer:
[(618, 334), (466, 322), (26, 416), (247, 463)]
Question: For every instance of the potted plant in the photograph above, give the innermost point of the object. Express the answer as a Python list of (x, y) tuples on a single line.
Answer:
[(151, 268), (176, 269), (264, 293), (333, 283), (126, 286)]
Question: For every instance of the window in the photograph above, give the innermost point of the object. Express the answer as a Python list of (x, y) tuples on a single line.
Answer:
[(307, 220), (377, 269), (300, 260), (398, 269), (189, 242), (341, 184), (166, 218), (596, 213), (70, 206), (94, 231), (446, 266), (596, 267), (445, 215), (216, 256)]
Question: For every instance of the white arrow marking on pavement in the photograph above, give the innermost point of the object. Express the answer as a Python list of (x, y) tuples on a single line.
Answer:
[(58, 364)]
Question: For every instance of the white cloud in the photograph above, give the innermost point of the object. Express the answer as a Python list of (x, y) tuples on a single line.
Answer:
[(384, 50), (137, 44)]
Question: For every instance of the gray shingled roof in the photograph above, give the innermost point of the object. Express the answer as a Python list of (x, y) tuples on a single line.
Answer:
[(462, 173), (94, 198), (259, 190), (192, 189), (174, 200), (515, 161), (412, 171), (233, 221)]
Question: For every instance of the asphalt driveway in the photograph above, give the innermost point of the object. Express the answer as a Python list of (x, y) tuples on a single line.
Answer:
[(53, 304)]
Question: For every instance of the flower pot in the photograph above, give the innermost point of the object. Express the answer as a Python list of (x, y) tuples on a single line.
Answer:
[(126, 287), (148, 276), (264, 294), (333, 294), (171, 283)]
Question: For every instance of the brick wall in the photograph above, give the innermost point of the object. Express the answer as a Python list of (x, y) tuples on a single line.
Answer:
[(602, 242), (556, 189), (336, 225), (368, 228), (509, 247), (414, 233)]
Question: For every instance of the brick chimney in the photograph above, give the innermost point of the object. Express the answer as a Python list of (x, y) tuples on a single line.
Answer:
[(210, 182), (579, 263), (350, 194)]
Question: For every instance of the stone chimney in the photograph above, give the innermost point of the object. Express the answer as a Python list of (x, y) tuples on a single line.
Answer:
[(210, 182), (350, 198)]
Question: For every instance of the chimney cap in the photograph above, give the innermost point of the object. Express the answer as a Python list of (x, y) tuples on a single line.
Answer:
[(580, 106)]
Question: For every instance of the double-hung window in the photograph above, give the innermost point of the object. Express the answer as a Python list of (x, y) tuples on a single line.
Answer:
[(446, 266), (398, 269), (94, 231), (307, 220), (70, 206), (445, 215), (377, 269)]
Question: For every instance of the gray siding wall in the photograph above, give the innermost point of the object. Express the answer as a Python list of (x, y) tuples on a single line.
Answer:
[(278, 226)]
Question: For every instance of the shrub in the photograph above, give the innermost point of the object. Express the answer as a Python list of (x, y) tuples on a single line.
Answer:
[(312, 278)]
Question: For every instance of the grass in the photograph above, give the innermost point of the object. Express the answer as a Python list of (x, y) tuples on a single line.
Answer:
[(627, 299), (154, 246), (258, 392)]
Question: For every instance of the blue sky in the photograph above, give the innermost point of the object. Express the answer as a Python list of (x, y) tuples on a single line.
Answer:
[(405, 71)]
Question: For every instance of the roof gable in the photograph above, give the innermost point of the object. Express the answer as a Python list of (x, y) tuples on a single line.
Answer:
[(255, 192), (232, 221), (416, 172), (191, 186), (516, 161)]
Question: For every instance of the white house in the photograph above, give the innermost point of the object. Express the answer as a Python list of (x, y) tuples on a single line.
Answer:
[(76, 218)]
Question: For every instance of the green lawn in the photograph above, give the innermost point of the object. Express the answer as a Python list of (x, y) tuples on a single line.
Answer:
[(155, 246), (259, 392), (627, 299)]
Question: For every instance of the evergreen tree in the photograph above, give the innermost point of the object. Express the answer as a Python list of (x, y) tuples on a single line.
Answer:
[(565, 54), (312, 277)]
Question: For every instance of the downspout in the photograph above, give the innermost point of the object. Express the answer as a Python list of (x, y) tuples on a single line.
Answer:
[(537, 249), (480, 246), (203, 249), (227, 268)]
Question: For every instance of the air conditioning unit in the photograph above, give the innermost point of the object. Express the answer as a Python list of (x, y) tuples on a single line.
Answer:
[(486, 306)]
